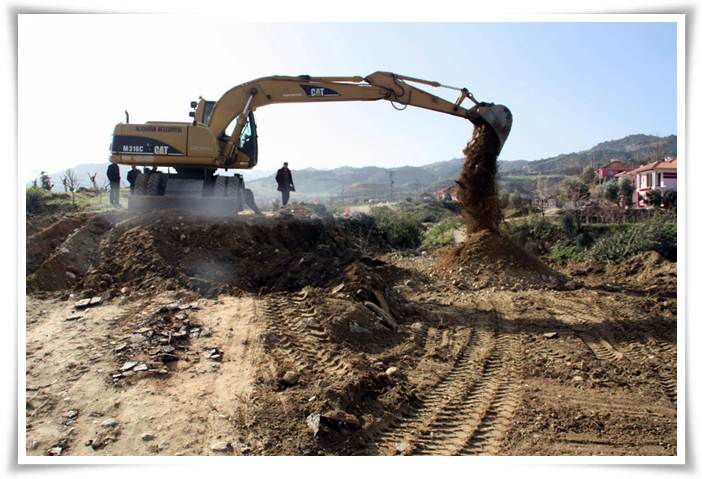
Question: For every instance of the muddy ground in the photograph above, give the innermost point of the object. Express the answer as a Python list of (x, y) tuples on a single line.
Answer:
[(275, 336)]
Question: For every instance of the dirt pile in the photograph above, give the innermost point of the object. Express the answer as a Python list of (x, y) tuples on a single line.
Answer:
[(488, 259), (159, 250), (42, 243), (477, 189)]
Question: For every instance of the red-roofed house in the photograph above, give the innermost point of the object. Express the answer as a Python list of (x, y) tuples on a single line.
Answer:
[(610, 170), (659, 175)]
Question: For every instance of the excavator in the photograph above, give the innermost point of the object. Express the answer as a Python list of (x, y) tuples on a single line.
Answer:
[(222, 135)]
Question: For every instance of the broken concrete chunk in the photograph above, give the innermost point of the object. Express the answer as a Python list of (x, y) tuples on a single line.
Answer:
[(128, 365)]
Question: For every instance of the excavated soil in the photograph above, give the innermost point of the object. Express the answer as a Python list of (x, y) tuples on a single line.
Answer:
[(273, 336), (477, 186)]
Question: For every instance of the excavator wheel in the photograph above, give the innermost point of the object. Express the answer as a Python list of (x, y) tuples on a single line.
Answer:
[(140, 186), (220, 186), (156, 184)]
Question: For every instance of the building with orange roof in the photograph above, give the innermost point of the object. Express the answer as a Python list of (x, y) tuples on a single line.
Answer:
[(611, 169), (658, 175)]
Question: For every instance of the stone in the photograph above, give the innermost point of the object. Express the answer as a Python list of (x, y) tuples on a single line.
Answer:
[(124, 290), (338, 289), (83, 303), (110, 422), (290, 378), (128, 365), (70, 276), (312, 422), (95, 300), (167, 349), (55, 451), (147, 437), (392, 371), (73, 317), (71, 414), (120, 347), (550, 335), (417, 327), (220, 446), (356, 329), (141, 367), (342, 418), (205, 333), (578, 379)]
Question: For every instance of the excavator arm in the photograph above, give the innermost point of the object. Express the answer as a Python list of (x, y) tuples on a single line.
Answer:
[(237, 103)]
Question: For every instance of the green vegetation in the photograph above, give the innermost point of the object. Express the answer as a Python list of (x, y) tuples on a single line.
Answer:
[(400, 228), (40, 201), (441, 234)]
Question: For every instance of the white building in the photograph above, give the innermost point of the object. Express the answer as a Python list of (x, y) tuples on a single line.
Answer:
[(659, 175)]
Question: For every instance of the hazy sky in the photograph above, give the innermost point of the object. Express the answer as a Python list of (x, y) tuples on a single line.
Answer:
[(569, 85)]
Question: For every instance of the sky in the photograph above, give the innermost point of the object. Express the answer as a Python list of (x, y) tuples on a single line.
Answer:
[(568, 85)]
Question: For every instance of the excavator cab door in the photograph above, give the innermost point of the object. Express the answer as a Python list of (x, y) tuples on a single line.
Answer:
[(248, 141)]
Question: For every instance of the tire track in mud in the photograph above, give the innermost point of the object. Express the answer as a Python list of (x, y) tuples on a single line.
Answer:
[(469, 410), (608, 330), (302, 340)]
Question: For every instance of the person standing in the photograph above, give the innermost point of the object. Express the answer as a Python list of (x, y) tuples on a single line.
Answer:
[(113, 177), (132, 177), (285, 182)]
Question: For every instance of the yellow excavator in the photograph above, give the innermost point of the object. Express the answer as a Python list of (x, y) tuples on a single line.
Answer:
[(222, 135)]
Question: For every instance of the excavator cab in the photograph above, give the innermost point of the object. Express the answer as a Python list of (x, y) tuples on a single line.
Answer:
[(245, 155)]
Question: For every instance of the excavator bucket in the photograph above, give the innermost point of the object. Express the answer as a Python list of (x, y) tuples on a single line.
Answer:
[(497, 116)]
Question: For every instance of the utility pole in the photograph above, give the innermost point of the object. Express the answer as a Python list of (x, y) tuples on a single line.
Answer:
[(392, 182)]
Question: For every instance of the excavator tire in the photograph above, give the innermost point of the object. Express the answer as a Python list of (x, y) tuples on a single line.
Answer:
[(156, 184), (220, 186), (140, 186)]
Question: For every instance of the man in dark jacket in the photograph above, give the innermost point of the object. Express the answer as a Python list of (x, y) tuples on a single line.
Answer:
[(132, 177), (285, 182), (113, 177)]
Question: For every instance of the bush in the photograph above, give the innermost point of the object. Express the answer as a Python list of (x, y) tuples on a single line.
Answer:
[(400, 229), (441, 234), (535, 233), (36, 200), (563, 251), (657, 234), (569, 222)]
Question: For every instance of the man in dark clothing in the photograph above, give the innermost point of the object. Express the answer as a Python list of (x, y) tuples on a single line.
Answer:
[(113, 177), (132, 177), (285, 182)]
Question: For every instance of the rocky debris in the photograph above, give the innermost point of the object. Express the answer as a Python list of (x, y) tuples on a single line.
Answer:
[(392, 372), (128, 365), (341, 418), (87, 302), (215, 354), (147, 437), (551, 335), (71, 414), (73, 317), (290, 378), (220, 446), (109, 423), (55, 451)]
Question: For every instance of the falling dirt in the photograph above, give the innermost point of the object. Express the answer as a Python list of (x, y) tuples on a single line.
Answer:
[(274, 336), (477, 186)]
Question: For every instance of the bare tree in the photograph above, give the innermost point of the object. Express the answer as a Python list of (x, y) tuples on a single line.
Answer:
[(70, 180), (542, 193)]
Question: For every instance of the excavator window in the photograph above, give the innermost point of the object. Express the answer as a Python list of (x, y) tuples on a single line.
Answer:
[(248, 140), (209, 105)]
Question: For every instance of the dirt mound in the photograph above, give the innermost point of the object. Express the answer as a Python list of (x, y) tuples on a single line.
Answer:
[(159, 250), (488, 259), (41, 244), (477, 189)]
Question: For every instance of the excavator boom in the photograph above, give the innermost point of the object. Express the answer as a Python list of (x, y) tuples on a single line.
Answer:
[(223, 133)]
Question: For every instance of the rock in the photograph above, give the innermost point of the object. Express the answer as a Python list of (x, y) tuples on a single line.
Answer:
[(550, 335), (147, 437), (124, 290), (120, 347), (356, 329), (220, 446), (70, 276), (205, 333), (71, 414), (312, 422), (109, 423), (55, 451), (73, 317), (338, 289), (128, 365), (402, 446), (95, 300), (578, 379), (290, 378), (83, 303), (168, 349), (141, 367), (342, 417), (392, 371), (417, 326)]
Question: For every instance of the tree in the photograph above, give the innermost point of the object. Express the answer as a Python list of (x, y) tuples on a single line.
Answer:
[(609, 191), (516, 201), (670, 198), (504, 199), (575, 190), (588, 175), (542, 193), (654, 198), (626, 191), (70, 180)]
